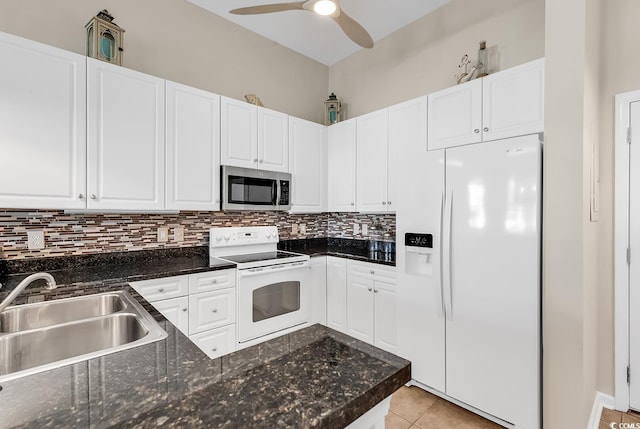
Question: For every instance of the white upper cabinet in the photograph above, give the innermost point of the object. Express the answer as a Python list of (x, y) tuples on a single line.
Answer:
[(42, 126), (455, 115), (193, 148), (513, 101), (342, 166), (253, 137), (372, 162), (273, 140), (509, 103), (238, 133), (125, 138), (308, 166)]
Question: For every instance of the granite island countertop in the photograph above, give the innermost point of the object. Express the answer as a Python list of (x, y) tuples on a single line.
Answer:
[(315, 377)]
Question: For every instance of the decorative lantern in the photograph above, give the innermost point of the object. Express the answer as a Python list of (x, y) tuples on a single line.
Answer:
[(104, 38), (332, 108)]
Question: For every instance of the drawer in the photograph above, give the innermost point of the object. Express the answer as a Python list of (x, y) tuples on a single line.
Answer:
[(163, 288), (377, 271), (217, 342), (211, 310), (212, 280), (176, 310)]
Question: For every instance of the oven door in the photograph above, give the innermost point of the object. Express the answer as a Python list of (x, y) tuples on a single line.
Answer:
[(272, 298)]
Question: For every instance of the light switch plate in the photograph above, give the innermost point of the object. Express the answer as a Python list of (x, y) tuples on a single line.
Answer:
[(294, 228), (365, 229), (163, 235), (35, 240), (356, 228), (178, 234), (303, 228)]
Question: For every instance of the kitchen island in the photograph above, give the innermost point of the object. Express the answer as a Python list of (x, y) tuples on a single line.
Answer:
[(314, 377)]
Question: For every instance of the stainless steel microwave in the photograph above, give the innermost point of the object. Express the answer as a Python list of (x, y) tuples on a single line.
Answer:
[(249, 189)]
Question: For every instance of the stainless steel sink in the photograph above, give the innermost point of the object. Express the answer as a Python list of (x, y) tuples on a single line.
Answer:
[(32, 316), (96, 325)]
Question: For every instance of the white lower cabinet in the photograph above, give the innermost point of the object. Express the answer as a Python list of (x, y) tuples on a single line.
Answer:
[(217, 342), (371, 304), (318, 279), (202, 306), (337, 293)]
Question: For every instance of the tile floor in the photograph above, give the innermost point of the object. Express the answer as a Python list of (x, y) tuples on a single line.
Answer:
[(611, 416), (412, 407)]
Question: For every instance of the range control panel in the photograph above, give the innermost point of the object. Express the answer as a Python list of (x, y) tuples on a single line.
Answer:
[(418, 240), (242, 236)]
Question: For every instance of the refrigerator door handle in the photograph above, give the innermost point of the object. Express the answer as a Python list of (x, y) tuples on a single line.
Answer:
[(442, 310), (446, 255)]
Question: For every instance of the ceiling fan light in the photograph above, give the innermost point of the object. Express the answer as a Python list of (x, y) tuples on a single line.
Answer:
[(324, 7)]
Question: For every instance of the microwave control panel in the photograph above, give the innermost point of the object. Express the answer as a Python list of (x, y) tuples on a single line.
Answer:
[(284, 193)]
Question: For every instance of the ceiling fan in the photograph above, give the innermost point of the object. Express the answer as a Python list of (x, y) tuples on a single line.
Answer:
[(331, 8)]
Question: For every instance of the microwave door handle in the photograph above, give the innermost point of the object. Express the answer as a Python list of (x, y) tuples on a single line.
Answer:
[(277, 184)]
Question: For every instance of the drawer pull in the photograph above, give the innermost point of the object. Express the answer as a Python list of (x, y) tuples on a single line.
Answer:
[(372, 272), (185, 309), (161, 290), (375, 291), (214, 281), (215, 310), (369, 289), (215, 349)]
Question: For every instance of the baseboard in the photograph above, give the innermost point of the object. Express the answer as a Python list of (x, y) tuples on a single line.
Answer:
[(600, 401)]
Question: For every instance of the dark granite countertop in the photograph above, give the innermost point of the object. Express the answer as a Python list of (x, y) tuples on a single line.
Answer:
[(340, 247), (312, 378)]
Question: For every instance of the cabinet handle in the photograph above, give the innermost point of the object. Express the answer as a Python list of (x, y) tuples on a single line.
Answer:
[(185, 309), (369, 289), (476, 131), (93, 196), (384, 203), (486, 128), (81, 196), (161, 290), (215, 310)]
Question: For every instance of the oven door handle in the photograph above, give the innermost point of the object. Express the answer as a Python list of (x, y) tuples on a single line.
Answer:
[(272, 269)]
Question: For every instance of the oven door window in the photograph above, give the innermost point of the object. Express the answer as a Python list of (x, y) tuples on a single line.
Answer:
[(275, 300), (252, 190)]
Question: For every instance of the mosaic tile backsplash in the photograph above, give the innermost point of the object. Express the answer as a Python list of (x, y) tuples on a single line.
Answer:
[(83, 234)]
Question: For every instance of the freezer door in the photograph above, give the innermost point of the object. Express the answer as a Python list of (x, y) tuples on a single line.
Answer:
[(492, 219), (419, 204)]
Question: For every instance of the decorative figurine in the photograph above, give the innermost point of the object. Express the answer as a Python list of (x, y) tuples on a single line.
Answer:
[(332, 110), (104, 38)]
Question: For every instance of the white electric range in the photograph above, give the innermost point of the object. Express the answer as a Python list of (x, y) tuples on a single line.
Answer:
[(274, 295)]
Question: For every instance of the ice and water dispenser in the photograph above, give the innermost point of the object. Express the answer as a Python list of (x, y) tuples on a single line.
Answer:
[(419, 254)]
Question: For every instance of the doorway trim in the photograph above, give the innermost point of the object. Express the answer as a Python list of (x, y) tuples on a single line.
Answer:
[(621, 243)]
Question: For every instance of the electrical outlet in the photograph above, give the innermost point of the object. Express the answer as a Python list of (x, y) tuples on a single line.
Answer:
[(35, 240), (163, 235), (294, 228), (356, 229), (178, 234), (303, 228), (365, 230)]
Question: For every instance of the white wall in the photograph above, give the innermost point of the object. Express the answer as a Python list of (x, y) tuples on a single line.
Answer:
[(179, 41), (424, 56)]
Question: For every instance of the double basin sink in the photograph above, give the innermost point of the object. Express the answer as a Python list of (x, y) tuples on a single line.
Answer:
[(43, 336)]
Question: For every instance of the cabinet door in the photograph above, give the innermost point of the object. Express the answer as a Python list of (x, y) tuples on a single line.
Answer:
[(385, 321), (211, 310), (318, 281), (238, 133), (407, 140), (513, 101), (308, 165), (372, 145), (337, 293), (162, 288), (211, 280), (342, 166), (125, 129), (193, 148), (42, 126), (455, 116), (176, 311), (360, 307), (217, 342), (273, 140)]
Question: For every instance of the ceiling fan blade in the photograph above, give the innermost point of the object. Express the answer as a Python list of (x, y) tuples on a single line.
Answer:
[(353, 30), (268, 8)]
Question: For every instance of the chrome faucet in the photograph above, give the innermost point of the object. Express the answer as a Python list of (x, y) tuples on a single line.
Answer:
[(51, 284)]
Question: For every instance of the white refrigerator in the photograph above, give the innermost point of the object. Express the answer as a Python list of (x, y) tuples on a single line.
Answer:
[(468, 260)]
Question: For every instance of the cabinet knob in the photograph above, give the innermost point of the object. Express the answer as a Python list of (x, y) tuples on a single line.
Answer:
[(215, 349), (185, 309), (384, 203), (215, 310), (214, 281), (93, 196), (369, 289), (81, 196), (261, 160), (161, 290), (476, 131), (255, 159), (353, 204), (375, 291), (486, 128), (372, 272), (389, 202)]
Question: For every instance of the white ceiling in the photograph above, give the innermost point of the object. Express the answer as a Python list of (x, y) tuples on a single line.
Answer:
[(320, 37)]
